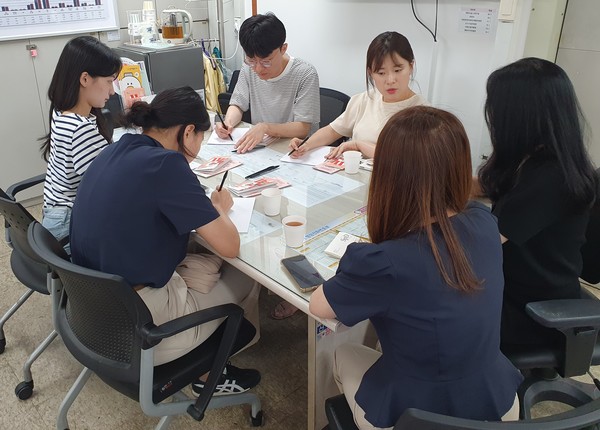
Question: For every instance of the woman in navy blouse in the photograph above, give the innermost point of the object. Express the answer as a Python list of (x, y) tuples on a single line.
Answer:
[(430, 282)]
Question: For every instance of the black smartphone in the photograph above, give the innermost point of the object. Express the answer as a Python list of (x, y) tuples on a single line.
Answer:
[(306, 276)]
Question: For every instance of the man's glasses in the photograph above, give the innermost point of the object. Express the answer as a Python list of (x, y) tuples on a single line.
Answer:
[(252, 64)]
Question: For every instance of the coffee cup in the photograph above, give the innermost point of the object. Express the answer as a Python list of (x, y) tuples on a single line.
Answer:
[(271, 201), (294, 229), (352, 161)]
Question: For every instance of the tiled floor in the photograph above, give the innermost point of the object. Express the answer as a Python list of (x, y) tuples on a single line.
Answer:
[(281, 356)]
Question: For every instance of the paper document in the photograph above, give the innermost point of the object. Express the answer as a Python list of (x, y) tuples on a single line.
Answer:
[(241, 213), (236, 134), (311, 158)]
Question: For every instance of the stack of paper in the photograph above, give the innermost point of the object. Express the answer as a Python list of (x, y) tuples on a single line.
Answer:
[(338, 245), (253, 187), (331, 165), (215, 165)]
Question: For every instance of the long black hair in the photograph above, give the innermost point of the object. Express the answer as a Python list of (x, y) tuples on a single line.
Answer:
[(81, 54), (173, 107), (532, 111)]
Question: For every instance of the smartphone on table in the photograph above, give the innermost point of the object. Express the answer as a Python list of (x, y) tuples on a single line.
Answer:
[(307, 277)]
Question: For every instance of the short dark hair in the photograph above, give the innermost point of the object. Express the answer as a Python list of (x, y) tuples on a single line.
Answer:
[(531, 109), (81, 54), (261, 34), (385, 44), (171, 108), (423, 160)]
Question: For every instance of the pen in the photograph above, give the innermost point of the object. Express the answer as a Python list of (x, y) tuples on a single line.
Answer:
[(256, 147), (260, 172), (223, 122), (301, 143), (223, 180)]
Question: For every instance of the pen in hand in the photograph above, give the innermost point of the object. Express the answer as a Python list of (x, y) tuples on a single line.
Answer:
[(223, 180), (224, 126), (301, 143)]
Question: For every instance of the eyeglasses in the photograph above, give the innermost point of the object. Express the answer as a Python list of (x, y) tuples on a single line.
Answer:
[(252, 64)]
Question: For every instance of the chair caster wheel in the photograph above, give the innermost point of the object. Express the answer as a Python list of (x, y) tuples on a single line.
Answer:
[(24, 390), (2, 345), (259, 420)]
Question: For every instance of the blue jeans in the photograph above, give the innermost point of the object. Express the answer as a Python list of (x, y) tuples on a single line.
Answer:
[(57, 220)]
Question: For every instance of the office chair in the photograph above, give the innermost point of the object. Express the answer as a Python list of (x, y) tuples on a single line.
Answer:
[(548, 368), (107, 327), (29, 270), (333, 104), (224, 98), (340, 418)]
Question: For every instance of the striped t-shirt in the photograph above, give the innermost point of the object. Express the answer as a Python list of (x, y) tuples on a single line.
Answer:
[(74, 143), (293, 96)]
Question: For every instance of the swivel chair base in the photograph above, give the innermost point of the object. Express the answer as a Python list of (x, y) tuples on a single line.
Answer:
[(534, 390)]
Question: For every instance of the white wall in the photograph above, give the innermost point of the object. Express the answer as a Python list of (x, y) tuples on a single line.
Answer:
[(579, 56), (334, 36)]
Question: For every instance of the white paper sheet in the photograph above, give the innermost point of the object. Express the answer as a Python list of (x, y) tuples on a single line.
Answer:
[(311, 158), (236, 134), (241, 213)]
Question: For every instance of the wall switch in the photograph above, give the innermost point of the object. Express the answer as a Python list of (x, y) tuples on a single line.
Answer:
[(507, 10), (113, 36)]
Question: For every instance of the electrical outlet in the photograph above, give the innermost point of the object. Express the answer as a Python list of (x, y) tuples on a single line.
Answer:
[(237, 23)]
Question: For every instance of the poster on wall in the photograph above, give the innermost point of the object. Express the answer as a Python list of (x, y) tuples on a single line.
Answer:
[(25, 19)]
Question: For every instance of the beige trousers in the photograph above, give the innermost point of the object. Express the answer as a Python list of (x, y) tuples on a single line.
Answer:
[(351, 362), (179, 298)]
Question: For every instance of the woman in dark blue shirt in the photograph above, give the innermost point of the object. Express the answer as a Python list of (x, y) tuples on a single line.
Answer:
[(430, 282), (135, 208)]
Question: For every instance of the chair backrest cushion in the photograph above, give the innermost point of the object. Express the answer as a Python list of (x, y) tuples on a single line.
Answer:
[(99, 315)]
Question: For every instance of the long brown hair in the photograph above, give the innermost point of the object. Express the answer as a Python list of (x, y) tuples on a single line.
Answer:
[(422, 170)]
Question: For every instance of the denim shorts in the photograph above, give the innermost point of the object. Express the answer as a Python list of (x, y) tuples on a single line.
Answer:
[(57, 220)]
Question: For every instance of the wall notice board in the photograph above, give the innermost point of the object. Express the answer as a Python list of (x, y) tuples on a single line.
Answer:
[(25, 19)]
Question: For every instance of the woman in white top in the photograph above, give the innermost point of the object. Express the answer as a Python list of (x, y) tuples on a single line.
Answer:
[(390, 64), (81, 85)]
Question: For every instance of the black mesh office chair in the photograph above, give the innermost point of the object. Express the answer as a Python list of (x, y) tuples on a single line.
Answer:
[(107, 327), (30, 271), (583, 417), (224, 98), (333, 104)]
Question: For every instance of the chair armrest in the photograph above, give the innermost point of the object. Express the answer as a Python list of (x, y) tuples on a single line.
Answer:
[(23, 185), (152, 336), (565, 314)]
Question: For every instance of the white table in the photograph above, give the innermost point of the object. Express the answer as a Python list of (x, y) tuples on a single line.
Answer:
[(322, 199)]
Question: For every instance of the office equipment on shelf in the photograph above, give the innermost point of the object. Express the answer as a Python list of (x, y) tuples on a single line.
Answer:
[(168, 66)]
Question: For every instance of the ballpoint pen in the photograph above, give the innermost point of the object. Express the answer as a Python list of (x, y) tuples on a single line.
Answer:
[(224, 126), (223, 180), (256, 147), (260, 172), (301, 143)]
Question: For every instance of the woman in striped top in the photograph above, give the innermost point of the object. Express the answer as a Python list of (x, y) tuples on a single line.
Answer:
[(81, 85)]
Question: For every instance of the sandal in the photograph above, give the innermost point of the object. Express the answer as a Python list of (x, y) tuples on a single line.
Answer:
[(283, 310)]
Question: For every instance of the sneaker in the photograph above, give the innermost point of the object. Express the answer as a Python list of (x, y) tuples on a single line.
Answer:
[(233, 381)]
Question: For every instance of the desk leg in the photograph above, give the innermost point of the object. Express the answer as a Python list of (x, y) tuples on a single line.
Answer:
[(322, 343)]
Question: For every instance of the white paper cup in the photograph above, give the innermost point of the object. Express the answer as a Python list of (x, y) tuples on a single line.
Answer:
[(352, 161), (271, 201), (294, 229)]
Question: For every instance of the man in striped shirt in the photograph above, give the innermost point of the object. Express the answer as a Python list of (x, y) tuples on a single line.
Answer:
[(282, 92)]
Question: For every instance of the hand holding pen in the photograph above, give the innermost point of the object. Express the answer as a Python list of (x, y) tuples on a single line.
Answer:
[(224, 130), (296, 146)]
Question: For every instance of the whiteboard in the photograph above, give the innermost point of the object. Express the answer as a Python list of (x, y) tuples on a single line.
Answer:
[(26, 19)]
